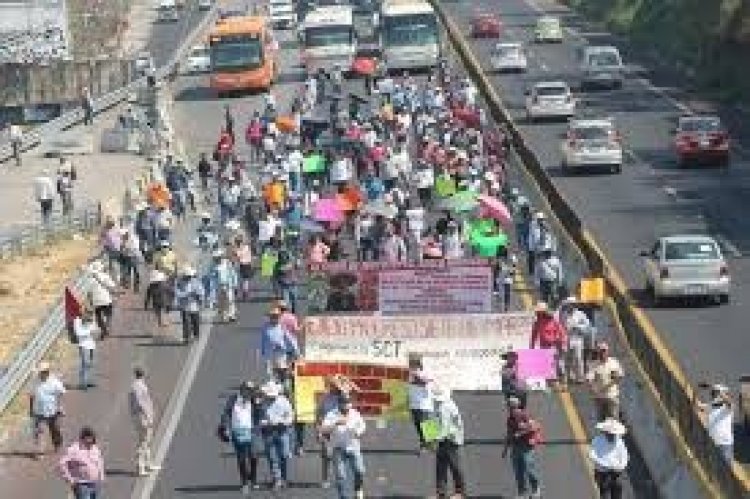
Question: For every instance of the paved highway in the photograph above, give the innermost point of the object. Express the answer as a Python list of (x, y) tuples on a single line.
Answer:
[(167, 37), (197, 465), (652, 196)]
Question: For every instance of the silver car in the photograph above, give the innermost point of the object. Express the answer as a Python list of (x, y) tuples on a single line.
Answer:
[(686, 266)]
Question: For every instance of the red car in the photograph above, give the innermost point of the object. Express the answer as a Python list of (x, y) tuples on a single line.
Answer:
[(701, 139), (486, 26)]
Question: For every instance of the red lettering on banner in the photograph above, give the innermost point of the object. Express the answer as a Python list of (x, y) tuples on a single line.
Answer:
[(381, 398), (368, 384)]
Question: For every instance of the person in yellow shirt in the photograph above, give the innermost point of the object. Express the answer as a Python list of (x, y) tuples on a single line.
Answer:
[(165, 259), (275, 193)]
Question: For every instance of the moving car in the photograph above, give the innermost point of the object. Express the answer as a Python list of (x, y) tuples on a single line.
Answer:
[(485, 25), (601, 66), (205, 4), (199, 60), (509, 56), (699, 139), (592, 143), (550, 99), (282, 13), (684, 266), (548, 29), (167, 12)]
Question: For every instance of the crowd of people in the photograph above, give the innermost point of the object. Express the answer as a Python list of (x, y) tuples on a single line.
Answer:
[(401, 175)]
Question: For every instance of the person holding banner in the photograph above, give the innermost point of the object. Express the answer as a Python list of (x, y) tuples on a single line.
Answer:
[(448, 441), (345, 426), (547, 332)]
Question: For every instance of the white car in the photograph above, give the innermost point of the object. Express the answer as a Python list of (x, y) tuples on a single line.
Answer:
[(199, 60), (592, 143), (508, 57), (282, 13), (549, 100), (601, 66), (205, 4), (686, 266)]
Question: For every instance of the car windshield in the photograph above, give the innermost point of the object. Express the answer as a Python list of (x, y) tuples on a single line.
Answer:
[(691, 250), (323, 36), (508, 51), (199, 52), (237, 53), (412, 29), (550, 91), (700, 125), (604, 58), (591, 133)]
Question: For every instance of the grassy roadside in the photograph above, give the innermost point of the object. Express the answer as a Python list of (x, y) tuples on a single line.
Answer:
[(711, 38)]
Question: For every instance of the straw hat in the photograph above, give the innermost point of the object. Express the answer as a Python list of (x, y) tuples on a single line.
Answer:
[(274, 311), (43, 367), (540, 215), (611, 426), (96, 266), (541, 308), (570, 300)]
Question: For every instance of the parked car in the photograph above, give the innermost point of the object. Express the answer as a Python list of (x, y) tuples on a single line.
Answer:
[(485, 25), (601, 66), (686, 266), (592, 143), (701, 139), (548, 29), (550, 100), (509, 56), (199, 60), (282, 13)]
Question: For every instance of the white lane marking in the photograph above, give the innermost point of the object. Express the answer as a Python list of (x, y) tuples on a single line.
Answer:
[(173, 413), (664, 95), (729, 246)]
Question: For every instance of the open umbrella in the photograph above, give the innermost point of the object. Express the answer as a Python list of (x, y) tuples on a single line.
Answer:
[(495, 209), (364, 66), (327, 210), (379, 207)]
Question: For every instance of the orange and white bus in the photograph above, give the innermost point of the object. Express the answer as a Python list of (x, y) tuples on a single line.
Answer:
[(243, 55)]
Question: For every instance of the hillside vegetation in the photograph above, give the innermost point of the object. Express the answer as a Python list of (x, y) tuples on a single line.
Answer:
[(710, 36)]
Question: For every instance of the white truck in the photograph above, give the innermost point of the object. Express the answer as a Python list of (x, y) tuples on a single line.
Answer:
[(328, 39), (409, 35)]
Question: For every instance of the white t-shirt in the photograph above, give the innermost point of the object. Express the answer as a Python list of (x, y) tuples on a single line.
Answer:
[(602, 374), (85, 333), (101, 285), (267, 228), (424, 177), (345, 436), (341, 170), (416, 219), (721, 424), (44, 188), (420, 396), (46, 396), (295, 161)]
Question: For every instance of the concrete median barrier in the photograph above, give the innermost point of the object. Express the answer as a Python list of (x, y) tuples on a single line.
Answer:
[(674, 395)]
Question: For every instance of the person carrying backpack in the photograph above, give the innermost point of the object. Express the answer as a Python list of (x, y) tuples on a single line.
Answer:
[(523, 435), (240, 425)]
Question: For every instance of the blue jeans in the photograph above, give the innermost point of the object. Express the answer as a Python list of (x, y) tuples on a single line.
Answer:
[(86, 365), (348, 465), (278, 452), (289, 295), (524, 469), (87, 491)]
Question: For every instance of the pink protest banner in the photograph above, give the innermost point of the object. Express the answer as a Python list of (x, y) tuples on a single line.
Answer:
[(537, 364)]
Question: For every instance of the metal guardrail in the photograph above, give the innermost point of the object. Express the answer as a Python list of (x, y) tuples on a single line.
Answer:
[(34, 137), (675, 392)]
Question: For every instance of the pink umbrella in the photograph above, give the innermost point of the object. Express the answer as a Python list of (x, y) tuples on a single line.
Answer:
[(327, 210), (494, 208)]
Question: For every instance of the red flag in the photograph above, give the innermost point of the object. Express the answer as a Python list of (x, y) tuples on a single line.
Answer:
[(73, 305)]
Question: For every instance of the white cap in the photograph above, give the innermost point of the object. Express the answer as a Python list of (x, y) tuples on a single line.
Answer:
[(539, 215), (611, 426)]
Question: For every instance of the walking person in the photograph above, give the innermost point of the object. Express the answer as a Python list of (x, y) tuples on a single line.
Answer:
[(523, 434), (100, 294), (720, 419), (547, 332), (15, 133), (223, 281), (82, 466), (578, 328), (142, 413), (609, 455), (46, 408), (278, 346), (329, 402), (44, 192), (277, 420), (346, 426), (65, 188), (130, 260), (449, 442), (421, 404), (189, 297), (548, 274), (604, 379), (240, 425), (87, 103), (157, 294), (84, 329)]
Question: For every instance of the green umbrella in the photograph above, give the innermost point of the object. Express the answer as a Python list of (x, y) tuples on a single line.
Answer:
[(314, 163), (488, 246)]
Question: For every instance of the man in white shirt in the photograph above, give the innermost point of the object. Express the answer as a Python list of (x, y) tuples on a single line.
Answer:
[(84, 328), (341, 170), (420, 397), (44, 192), (294, 164), (142, 412), (15, 134), (102, 287), (604, 379), (45, 407), (579, 329), (345, 427), (609, 456), (720, 420), (548, 273)]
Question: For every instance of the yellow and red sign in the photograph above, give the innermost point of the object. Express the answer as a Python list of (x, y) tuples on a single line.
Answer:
[(381, 391)]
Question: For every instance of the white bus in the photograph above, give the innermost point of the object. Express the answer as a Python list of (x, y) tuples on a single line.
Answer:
[(328, 39), (409, 34)]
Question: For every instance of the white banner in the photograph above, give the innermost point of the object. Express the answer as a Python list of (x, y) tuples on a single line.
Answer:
[(462, 352), (447, 290)]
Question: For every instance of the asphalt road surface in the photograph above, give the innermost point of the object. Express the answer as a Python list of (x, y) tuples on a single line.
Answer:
[(167, 37), (198, 465), (652, 196)]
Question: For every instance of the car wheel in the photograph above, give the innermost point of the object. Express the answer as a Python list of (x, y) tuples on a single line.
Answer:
[(724, 298), (616, 169)]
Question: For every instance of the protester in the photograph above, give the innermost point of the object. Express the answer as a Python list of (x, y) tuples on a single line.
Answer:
[(46, 407), (421, 403), (579, 331), (100, 294), (276, 424), (609, 455), (448, 443), (345, 426), (189, 299), (278, 347), (511, 385), (720, 419), (142, 414), (84, 329), (82, 466), (523, 434), (240, 424), (604, 379), (44, 192), (157, 295), (222, 286), (547, 332), (328, 403)]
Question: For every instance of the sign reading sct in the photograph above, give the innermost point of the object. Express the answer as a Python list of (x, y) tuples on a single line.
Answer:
[(462, 352)]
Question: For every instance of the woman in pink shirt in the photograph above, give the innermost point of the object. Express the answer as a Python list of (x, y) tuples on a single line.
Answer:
[(82, 466), (317, 251), (287, 319)]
